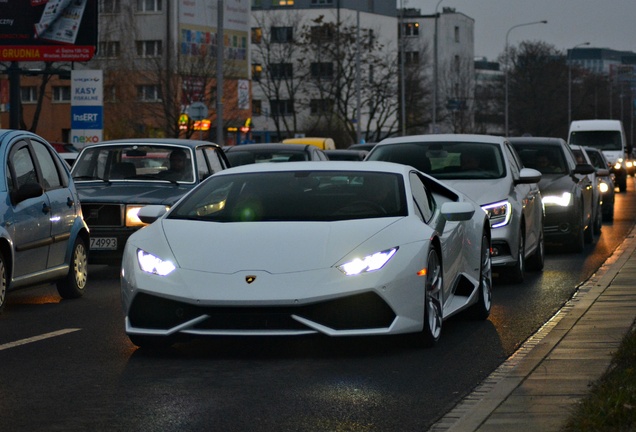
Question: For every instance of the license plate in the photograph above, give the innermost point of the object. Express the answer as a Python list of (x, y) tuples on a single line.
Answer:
[(107, 243)]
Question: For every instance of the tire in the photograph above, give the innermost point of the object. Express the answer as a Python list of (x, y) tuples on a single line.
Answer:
[(481, 309), (516, 274), (3, 284), (432, 325), (537, 260), (608, 213), (72, 286), (589, 233), (578, 239), (622, 185)]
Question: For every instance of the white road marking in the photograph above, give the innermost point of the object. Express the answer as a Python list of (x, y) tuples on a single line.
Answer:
[(37, 338)]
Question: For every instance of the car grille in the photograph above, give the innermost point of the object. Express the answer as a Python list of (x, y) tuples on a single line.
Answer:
[(107, 215), (360, 311)]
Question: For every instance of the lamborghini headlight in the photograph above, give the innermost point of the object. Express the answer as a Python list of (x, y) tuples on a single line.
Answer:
[(563, 200), (152, 264), (367, 264), (499, 213)]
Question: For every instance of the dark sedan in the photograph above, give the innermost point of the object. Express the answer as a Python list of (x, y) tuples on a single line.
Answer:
[(565, 187), (273, 152), (115, 179)]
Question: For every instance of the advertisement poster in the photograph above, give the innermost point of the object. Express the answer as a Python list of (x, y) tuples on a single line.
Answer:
[(87, 107), (48, 30)]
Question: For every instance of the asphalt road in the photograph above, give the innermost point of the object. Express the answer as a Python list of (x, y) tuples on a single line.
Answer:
[(68, 366)]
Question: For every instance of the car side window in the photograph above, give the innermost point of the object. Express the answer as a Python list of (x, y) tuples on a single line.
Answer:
[(215, 161), (202, 167), (424, 201), (513, 161), (48, 167), (23, 167)]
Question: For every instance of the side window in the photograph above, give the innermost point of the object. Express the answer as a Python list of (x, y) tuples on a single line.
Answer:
[(215, 161), (513, 161), (48, 167), (202, 167), (23, 167), (424, 201)]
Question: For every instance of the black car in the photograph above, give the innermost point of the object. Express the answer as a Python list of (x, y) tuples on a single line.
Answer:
[(115, 179), (565, 187), (346, 154), (273, 152)]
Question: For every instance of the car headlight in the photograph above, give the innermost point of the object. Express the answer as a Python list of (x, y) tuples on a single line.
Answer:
[(152, 264), (367, 264), (619, 163), (499, 213), (603, 187), (563, 200), (132, 220)]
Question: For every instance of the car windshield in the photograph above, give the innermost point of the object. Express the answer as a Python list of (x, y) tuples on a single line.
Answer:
[(602, 140), (295, 196), (134, 162), (596, 159), (245, 157), (446, 160), (547, 159)]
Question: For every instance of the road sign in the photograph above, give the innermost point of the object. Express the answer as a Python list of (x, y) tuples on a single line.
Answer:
[(198, 111)]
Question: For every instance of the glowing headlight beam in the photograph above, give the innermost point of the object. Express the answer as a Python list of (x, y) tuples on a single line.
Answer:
[(367, 264), (563, 200), (154, 265), (499, 213)]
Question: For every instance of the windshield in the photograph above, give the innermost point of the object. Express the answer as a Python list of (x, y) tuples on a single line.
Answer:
[(547, 159), (295, 196), (446, 160), (602, 140), (245, 157), (134, 162)]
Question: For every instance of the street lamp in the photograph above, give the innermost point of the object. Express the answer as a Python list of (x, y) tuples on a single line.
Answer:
[(570, 81), (434, 123), (506, 66)]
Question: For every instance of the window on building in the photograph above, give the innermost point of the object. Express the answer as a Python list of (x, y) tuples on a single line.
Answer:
[(110, 6), (282, 2), (61, 93), (456, 34), (257, 107), (257, 35), (281, 34), (29, 94), (149, 48), (322, 33), (321, 106), (257, 71), (281, 107), (412, 57), (322, 70), (411, 29), (148, 93), (108, 49), (149, 5), (281, 70), (321, 2), (457, 64)]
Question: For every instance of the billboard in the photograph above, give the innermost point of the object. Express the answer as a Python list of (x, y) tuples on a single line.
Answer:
[(48, 30), (87, 107)]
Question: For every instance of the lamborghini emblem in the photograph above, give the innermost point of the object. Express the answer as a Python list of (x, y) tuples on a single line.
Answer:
[(250, 279)]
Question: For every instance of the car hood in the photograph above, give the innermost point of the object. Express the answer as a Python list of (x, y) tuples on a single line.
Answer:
[(133, 193), (482, 191), (268, 246), (556, 184)]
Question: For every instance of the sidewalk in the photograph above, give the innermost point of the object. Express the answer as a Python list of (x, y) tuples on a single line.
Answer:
[(537, 387)]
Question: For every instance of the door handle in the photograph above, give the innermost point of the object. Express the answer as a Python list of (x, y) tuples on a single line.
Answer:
[(70, 202), (46, 208)]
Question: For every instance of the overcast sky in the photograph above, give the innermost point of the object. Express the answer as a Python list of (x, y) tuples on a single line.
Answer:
[(602, 23)]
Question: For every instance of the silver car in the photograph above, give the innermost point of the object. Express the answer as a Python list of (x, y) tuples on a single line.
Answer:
[(488, 170)]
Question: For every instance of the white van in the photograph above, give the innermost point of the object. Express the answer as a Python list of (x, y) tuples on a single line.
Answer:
[(607, 136)]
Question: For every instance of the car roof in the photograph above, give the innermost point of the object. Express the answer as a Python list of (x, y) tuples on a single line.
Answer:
[(269, 146), (537, 140), (444, 138), (156, 141), (379, 166)]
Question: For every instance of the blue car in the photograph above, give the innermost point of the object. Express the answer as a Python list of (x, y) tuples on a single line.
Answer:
[(43, 236)]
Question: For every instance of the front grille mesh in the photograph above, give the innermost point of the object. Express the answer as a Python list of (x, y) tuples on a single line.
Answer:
[(111, 215), (359, 311)]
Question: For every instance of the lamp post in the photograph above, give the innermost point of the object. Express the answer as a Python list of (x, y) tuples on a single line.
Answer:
[(506, 66), (570, 81), (434, 122)]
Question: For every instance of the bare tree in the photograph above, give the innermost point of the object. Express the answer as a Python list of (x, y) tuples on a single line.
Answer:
[(458, 84)]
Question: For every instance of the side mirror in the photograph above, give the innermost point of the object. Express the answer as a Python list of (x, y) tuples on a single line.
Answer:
[(457, 211), (150, 213), (584, 168), (26, 191), (602, 172), (528, 175)]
